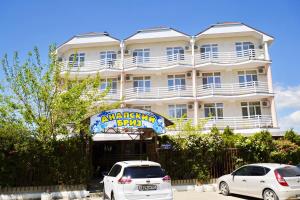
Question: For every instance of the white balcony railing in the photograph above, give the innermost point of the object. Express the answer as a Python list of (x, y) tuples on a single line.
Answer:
[(229, 57), (158, 92), (261, 121), (93, 65), (158, 62), (249, 122), (113, 94), (233, 89)]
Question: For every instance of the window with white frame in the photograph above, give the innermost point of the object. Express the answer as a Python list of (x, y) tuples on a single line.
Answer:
[(209, 51), (178, 111), (176, 82), (211, 80), (251, 109), (175, 53), (247, 78), (142, 84), (77, 60), (110, 83), (108, 58), (143, 107), (244, 49), (141, 55), (213, 110)]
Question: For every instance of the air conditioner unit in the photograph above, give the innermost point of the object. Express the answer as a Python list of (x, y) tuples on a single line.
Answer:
[(260, 46), (127, 52), (195, 47), (119, 78), (128, 78), (119, 52), (198, 74), (189, 74), (187, 48), (261, 70), (190, 106), (265, 104), (199, 106)]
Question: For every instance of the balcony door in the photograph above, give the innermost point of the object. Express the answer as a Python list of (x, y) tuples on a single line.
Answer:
[(247, 78), (178, 111), (77, 60), (251, 109), (110, 83), (141, 56), (210, 80), (175, 53), (244, 49), (142, 84), (108, 58), (214, 110), (176, 82), (208, 51)]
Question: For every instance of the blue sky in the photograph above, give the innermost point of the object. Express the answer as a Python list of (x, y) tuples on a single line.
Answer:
[(25, 24)]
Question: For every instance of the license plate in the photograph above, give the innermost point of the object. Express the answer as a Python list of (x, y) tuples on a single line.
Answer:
[(147, 187)]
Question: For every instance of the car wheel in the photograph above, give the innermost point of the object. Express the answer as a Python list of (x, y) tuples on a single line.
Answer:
[(269, 195), (224, 188), (104, 195)]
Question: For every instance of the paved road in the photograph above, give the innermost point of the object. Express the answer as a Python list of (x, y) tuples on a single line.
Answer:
[(207, 196)]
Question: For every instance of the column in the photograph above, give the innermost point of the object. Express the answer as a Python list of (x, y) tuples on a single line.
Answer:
[(266, 51), (122, 81), (194, 80), (274, 113)]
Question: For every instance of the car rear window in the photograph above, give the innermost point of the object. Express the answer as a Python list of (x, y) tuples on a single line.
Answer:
[(144, 172), (289, 171)]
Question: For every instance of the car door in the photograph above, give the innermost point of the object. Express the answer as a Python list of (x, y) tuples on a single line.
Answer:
[(109, 180), (239, 180), (256, 182)]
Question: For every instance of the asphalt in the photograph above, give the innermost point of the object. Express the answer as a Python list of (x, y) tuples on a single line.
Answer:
[(191, 195)]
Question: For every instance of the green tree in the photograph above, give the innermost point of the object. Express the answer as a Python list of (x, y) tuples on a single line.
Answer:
[(47, 98), (292, 136)]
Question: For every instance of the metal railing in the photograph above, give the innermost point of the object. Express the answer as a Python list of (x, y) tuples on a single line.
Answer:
[(157, 62), (91, 65), (233, 88), (112, 94), (158, 92), (229, 57)]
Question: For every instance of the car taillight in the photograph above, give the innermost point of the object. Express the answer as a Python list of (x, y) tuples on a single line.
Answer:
[(280, 179), (166, 178), (124, 180)]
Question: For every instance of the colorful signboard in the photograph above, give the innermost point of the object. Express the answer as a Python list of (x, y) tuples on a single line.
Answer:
[(127, 118)]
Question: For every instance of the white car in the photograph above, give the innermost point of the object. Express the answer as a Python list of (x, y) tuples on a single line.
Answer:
[(264, 180), (137, 180)]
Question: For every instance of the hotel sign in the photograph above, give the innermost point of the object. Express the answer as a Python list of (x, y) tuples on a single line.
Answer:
[(127, 118)]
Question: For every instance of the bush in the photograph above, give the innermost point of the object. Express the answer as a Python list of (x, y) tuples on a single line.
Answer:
[(286, 152), (292, 136)]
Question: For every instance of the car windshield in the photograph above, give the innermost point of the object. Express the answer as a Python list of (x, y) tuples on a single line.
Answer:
[(291, 171), (144, 172)]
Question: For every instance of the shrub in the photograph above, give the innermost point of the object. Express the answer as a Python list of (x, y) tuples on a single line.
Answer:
[(286, 152)]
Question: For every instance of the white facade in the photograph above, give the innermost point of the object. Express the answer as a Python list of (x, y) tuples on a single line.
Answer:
[(221, 76)]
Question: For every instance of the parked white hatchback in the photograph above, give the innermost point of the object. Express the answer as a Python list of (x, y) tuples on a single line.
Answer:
[(137, 180), (263, 180)]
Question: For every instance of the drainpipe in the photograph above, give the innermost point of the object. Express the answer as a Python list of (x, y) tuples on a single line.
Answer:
[(122, 46), (194, 84)]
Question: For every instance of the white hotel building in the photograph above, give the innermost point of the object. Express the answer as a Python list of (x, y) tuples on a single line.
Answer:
[(223, 73)]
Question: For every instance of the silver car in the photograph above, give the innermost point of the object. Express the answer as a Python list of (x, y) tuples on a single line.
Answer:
[(268, 181)]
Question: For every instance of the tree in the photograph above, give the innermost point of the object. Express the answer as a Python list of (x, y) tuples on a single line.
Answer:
[(46, 100), (292, 136)]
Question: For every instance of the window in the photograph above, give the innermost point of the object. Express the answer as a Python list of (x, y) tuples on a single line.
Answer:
[(209, 51), (251, 109), (175, 53), (143, 107), (213, 110), (290, 171), (176, 82), (244, 49), (107, 58), (247, 78), (77, 60), (109, 82), (141, 55), (251, 171), (115, 170), (211, 80), (178, 111), (144, 172), (142, 84), (243, 171)]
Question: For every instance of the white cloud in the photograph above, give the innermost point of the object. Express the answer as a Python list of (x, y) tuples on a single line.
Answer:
[(291, 121), (287, 96)]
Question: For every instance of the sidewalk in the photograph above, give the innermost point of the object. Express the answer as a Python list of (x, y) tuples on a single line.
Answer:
[(192, 195)]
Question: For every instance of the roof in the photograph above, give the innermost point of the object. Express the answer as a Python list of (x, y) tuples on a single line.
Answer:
[(229, 28), (137, 163), (270, 165)]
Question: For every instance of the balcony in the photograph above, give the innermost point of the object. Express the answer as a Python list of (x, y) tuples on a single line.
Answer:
[(113, 95), (159, 92), (91, 66), (229, 57), (251, 122), (158, 63), (233, 89)]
